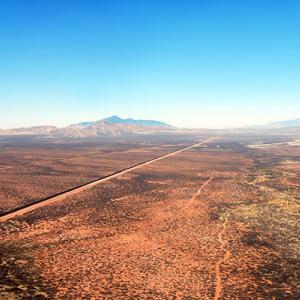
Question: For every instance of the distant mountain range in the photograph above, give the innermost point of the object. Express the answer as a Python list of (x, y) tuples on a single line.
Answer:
[(117, 120), (113, 125), (286, 123)]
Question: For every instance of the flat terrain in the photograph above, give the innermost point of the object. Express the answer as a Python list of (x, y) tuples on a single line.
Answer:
[(32, 169), (217, 221)]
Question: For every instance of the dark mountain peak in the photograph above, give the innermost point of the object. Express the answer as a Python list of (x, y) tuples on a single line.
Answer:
[(114, 119), (129, 121)]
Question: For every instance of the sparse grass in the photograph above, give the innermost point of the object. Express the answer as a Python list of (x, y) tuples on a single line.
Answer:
[(135, 237), (272, 222)]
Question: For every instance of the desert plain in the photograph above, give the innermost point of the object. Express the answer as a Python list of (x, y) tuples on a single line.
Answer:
[(219, 220)]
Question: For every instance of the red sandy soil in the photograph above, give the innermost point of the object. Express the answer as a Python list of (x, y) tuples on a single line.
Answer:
[(29, 174), (195, 225), (89, 185)]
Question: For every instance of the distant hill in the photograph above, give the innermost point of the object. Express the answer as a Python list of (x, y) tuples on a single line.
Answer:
[(286, 123), (29, 130), (113, 125)]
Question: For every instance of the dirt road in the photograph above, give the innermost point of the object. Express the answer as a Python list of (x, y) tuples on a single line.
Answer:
[(199, 192)]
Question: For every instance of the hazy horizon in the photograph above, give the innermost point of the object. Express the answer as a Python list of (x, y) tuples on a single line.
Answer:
[(191, 64), (80, 121)]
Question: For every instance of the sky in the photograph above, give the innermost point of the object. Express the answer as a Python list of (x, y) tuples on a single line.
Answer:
[(191, 63)]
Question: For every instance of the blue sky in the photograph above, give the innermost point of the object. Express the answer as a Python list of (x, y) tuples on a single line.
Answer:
[(190, 63)]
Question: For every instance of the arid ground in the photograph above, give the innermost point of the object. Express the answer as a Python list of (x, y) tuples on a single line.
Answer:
[(220, 220)]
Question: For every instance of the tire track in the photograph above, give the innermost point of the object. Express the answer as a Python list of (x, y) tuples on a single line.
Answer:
[(199, 191), (63, 195), (227, 254)]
